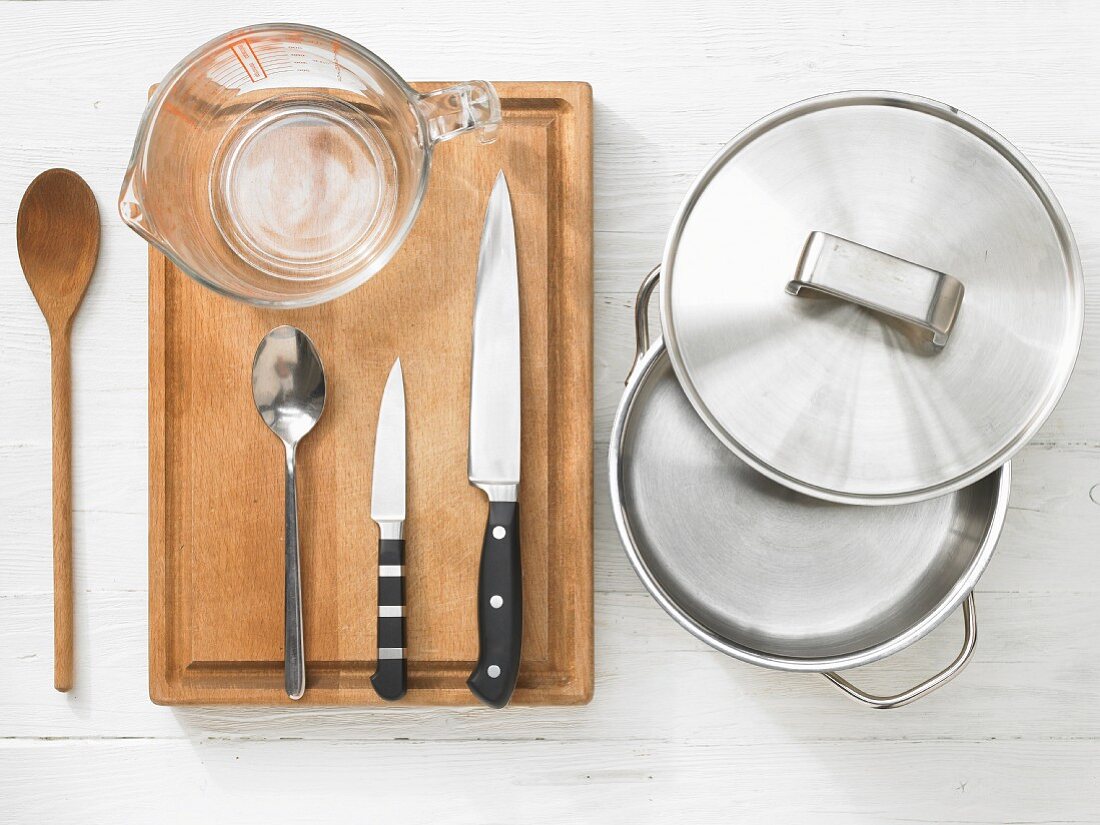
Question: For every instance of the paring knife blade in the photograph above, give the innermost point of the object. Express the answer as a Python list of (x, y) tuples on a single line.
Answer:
[(387, 499), (494, 451), (387, 509)]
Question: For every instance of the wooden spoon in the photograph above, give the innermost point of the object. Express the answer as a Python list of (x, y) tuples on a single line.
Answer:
[(57, 234)]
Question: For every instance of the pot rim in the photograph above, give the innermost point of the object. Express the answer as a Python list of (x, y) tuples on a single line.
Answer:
[(962, 588)]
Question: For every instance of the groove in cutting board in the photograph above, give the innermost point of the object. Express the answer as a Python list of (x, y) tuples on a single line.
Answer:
[(215, 471)]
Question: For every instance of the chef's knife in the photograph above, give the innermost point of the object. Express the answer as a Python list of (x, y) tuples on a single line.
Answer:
[(387, 509), (494, 452)]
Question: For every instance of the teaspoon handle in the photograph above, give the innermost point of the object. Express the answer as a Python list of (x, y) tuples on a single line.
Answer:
[(294, 673)]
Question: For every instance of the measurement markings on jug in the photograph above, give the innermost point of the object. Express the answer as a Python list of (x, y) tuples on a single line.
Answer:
[(248, 59)]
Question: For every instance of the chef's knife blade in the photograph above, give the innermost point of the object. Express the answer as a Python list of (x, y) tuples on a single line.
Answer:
[(387, 509), (494, 451), (493, 462)]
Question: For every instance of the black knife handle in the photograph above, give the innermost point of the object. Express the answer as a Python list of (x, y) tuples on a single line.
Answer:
[(499, 607), (391, 676)]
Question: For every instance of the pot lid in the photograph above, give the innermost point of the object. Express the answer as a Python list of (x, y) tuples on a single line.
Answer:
[(872, 298)]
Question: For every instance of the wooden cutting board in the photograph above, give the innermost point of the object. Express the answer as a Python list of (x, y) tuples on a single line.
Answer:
[(215, 471)]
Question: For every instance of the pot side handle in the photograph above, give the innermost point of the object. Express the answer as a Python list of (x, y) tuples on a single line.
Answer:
[(970, 639), (641, 318)]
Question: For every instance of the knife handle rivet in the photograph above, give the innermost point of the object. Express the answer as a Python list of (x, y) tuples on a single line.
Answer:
[(499, 532), (493, 671), (495, 601)]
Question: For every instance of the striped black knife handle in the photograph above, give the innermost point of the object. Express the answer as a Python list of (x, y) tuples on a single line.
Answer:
[(390, 677)]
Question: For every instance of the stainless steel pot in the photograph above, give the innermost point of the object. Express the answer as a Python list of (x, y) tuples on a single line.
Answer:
[(774, 577)]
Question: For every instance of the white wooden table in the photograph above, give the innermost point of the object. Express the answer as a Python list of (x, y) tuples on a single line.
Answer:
[(676, 732)]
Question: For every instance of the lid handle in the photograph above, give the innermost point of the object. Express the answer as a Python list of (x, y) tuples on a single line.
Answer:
[(893, 286)]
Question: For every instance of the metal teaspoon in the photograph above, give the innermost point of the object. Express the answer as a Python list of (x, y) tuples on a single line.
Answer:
[(288, 386)]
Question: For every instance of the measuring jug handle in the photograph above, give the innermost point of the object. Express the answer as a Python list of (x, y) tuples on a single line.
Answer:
[(462, 108)]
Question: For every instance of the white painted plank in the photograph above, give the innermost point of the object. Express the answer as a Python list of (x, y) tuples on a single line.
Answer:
[(1033, 677), (111, 375), (548, 782), (1046, 547)]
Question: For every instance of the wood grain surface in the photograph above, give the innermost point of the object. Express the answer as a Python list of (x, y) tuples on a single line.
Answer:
[(675, 732), (215, 541)]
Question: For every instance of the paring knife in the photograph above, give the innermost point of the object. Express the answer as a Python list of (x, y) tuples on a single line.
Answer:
[(494, 456), (387, 509)]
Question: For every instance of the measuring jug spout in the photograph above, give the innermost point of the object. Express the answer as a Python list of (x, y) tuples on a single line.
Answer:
[(132, 210)]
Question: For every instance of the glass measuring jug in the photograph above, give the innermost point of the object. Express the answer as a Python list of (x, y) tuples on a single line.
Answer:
[(283, 165)]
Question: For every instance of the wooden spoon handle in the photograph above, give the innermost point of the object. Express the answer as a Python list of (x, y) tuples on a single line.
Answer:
[(62, 510)]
